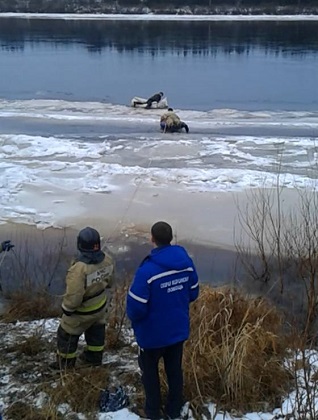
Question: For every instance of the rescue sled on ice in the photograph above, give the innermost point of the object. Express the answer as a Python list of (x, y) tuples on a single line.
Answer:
[(138, 102)]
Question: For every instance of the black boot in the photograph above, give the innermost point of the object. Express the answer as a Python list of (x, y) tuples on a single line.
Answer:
[(62, 364), (184, 125), (91, 358)]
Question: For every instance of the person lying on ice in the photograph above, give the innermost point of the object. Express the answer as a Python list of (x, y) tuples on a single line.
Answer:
[(171, 123), (154, 98), (6, 246), (84, 304)]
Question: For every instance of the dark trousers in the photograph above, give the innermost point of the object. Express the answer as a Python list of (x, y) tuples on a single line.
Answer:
[(67, 345), (174, 128), (149, 103), (148, 363), (185, 126)]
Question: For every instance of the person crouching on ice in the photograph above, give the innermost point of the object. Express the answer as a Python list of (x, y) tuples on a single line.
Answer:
[(171, 123), (84, 303)]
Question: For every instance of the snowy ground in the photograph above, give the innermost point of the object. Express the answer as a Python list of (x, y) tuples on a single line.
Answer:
[(201, 18), (22, 376)]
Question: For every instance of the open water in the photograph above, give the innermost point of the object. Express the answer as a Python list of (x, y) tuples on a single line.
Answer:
[(248, 90)]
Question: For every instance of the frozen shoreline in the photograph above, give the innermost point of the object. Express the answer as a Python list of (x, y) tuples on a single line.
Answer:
[(158, 17), (207, 224), (205, 218)]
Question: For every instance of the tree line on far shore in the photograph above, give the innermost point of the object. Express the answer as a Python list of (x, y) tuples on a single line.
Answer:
[(162, 6), (212, 3)]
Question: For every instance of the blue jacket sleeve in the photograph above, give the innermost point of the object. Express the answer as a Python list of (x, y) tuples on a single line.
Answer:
[(194, 285), (138, 296)]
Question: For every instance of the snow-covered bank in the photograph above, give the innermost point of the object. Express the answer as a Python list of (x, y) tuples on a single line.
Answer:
[(164, 17), (24, 375)]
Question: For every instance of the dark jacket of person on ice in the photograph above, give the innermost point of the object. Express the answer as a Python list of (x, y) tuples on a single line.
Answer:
[(6, 246), (158, 307), (154, 98)]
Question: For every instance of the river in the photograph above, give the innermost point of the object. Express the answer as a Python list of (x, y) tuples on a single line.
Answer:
[(71, 144)]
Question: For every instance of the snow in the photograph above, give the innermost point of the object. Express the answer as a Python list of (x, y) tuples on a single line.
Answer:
[(152, 17), (24, 386), (199, 162)]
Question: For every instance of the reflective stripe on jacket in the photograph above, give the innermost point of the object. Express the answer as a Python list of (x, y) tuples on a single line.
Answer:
[(159, 297), (86, 286)]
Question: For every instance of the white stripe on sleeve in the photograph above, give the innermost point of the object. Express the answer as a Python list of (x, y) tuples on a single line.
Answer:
[(139, 299), (194, 286)]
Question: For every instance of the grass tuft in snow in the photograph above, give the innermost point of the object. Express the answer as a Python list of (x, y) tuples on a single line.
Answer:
[(117, 319), (32, 345), (21, 410), (79, 389), (30, 305), (236, 352)]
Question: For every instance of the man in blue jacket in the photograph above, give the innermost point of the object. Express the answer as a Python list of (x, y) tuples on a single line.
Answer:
[(158, 307)]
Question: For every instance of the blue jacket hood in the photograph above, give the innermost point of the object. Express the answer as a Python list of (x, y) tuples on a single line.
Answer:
[(172, 257)]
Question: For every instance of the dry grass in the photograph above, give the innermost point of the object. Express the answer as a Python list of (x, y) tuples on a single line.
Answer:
[(234, 357), (31, 346), (20, 410), (79, 388), (235, 353), (27, 306), (116, 319)]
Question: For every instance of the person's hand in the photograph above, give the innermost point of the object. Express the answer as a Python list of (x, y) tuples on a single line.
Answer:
[(6, 246)]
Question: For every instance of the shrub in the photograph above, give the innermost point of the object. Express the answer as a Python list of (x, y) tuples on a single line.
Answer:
[(26, 306), (236, 351)]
